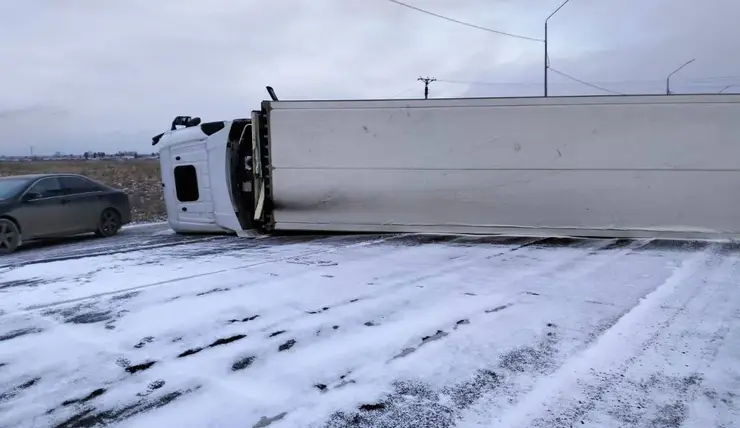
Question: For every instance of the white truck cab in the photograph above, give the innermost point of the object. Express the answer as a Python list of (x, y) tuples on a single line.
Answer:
[(196, 201)]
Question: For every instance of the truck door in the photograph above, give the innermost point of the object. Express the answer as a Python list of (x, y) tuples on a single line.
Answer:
[(192, 191)]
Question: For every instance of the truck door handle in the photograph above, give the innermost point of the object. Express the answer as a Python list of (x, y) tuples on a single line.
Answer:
[(65, 201)]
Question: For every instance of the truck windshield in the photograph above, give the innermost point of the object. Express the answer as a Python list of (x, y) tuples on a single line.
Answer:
[(10, 186)]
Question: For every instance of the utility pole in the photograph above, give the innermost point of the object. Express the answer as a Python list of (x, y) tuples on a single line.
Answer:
[(427, 81), (668, 79), (547, 58)]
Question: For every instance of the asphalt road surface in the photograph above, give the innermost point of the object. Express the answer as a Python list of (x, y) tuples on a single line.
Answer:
[(151, 329)]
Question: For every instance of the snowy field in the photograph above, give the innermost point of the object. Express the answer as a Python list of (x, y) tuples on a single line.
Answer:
[(150, 329)]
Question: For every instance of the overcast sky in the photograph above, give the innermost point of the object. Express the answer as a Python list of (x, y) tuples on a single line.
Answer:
[(106, 75)]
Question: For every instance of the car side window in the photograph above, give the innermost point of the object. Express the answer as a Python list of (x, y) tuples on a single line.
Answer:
[(47, 188), (76, 185)]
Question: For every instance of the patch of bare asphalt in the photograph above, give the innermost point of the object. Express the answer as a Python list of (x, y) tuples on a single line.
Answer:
[(89, 417), (218, 342), (659, 401), (92, 395), (439, 334), (215, 290), (265, 421), (125, 296), (11, 393), (246, 319), (416, 404), (243, 363), (86, 313), (153, 386), (30, 282), (310, 261), (343, 381), (419, 405), (326, 308), (287, 345), (19, 332), (140, 367), (424, 340), (319, 331), (143, 342)]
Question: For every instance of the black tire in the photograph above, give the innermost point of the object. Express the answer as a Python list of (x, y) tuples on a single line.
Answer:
[(109, 223), (10, 236)]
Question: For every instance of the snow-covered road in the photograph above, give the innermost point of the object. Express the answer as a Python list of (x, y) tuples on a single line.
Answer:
[(371, 331)]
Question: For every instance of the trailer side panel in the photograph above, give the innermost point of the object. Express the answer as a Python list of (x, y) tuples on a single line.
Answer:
[(605, 166)]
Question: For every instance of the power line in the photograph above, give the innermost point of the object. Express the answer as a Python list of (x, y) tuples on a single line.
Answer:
[(518, 36), (584, 82), (467, 24), (713, 78), (703, 81), (503, 33), (403, 92)]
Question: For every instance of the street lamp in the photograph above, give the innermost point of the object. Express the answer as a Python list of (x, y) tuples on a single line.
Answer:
[(668, 79), (546, 57)]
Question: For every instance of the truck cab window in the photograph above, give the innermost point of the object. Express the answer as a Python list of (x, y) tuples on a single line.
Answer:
[(186, 183)]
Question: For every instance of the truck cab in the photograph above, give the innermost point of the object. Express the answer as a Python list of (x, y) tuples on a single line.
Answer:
[(197, 201)]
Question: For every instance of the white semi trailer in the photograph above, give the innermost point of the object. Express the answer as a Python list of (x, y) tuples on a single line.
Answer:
[(601, 166)]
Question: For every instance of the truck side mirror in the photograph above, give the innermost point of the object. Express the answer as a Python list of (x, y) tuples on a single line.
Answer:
[(271, 92)]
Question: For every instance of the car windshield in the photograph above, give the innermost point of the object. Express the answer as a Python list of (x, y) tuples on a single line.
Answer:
[(10, 186)]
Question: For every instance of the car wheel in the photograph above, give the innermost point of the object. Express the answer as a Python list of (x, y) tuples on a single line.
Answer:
[(109, 223), (10, 236)]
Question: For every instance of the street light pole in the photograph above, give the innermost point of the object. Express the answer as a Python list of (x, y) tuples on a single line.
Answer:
[(546, 56), (668, 79)]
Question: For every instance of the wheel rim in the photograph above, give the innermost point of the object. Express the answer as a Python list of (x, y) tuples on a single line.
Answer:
[(8, 237), (110, 222)]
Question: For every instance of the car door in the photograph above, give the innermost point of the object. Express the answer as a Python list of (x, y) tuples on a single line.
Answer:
[(85, 203), (43, 211)]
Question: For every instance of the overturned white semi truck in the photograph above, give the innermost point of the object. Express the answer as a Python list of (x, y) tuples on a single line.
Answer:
[(594, 166)]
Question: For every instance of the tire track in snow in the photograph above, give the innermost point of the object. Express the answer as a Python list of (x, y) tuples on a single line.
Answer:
[(390, 292), (510, 361), (579, 379), (515, 365), (129, 249), (261, 351), (307, 334), (204, 274), (596, 261), (678, 374), (316, 317)]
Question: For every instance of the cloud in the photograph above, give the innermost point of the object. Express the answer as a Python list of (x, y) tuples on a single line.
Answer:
[(120, 71), (629, 46)]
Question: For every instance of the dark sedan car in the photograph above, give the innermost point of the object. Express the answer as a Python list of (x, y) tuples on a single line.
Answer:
[(54, 205)]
